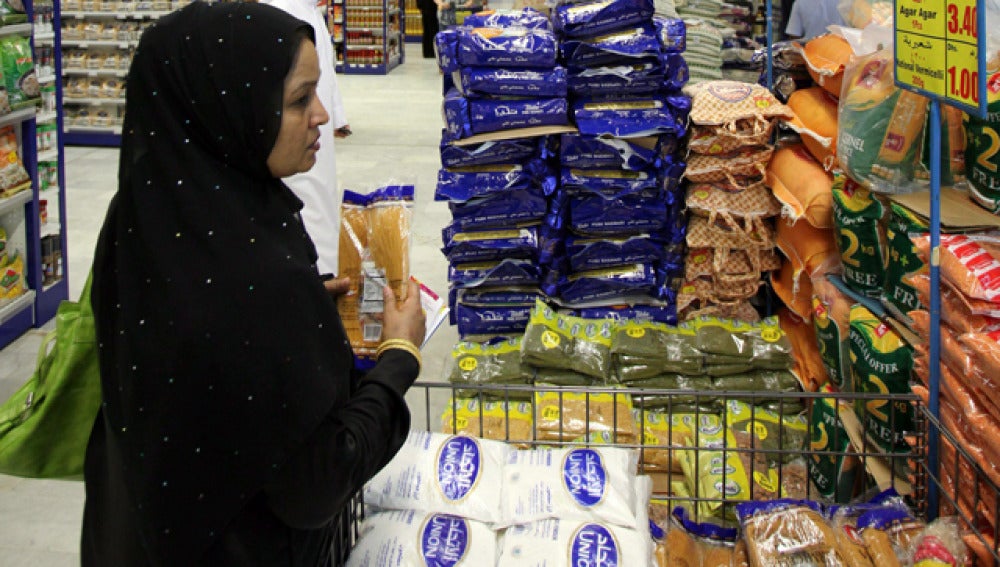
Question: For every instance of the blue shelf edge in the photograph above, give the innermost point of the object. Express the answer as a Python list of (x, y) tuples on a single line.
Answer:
[(91, 139), (18, 323), (48, 300)]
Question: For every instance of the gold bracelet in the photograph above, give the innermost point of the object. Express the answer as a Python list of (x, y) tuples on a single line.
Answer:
[(399, 344)]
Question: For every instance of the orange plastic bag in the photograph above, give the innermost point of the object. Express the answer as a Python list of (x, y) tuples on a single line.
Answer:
[(816, 122), (802, 186), (795, 289), (825, 58), (808, 363), (813, 249), (956, 309)]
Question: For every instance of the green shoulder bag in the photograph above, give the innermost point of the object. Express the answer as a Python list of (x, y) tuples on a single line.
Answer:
[(45, 426)]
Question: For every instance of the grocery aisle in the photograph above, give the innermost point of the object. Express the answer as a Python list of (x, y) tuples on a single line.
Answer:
[(396, 123)]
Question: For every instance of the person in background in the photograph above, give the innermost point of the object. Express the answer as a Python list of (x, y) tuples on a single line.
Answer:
[(317, 188), (429, 19), (809, 18), (233, 430), (446, 14)]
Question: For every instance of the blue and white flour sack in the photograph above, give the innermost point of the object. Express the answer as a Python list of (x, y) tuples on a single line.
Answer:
[(567, 543), (450, 474), (596, 484), (407, 538)]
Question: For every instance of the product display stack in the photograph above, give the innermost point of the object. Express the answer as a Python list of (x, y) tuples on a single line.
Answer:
[(704, 50), (499, 77), (616, 221), (730, 236)]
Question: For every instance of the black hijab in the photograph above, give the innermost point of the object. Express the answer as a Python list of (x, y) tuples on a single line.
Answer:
[(220, 351)]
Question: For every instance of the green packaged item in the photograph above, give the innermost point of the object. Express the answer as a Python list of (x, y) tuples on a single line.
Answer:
[(478, 363), (858, 216), (12, 12), (903, 258), (725, 337), (553, 340), (770, 345), (729, 369), (835, 474), (19, 72), (761, 382), (784, 406), (982, 157), (679, 382), (558, 377), (643, 350), (881, 365)]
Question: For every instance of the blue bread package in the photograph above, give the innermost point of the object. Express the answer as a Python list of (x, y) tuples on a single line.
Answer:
[(628, 117), (673, 34), (455, 110), (634, 45), (608, 283), (507, 47), (489, 153), (491, 297), (611, 182), (509, 272), (600, 16), (525, 18), (592, 152), (589, 253), (594, 214), (446, 50), (462, 184), (637, 79), (495, 244), (551, 243), (658, 312), (499, 209), (492, 115), (476, 320), (492, 81)]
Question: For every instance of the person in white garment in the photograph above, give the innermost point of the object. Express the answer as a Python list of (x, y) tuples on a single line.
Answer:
[(317, 188)]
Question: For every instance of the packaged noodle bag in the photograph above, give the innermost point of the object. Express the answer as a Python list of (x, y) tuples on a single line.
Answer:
[(374, 251), (448, 474)]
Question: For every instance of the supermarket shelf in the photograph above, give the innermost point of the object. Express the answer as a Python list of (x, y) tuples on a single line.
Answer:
[(373, 31), (414, 38), (85, 43), (17, 116), (52, 285), (51, 229), (48, 155), (94, 129), (372, 69), (46, 116), (136, 15), (92, 100), (16, 29), (45, 37), (47, 78), (16, 317), (11, 203), (96, 72)]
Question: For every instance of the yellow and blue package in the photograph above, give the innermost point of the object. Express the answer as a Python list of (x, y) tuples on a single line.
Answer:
[(499, 209), (529, 18), (462, 184), (511, 421), (518, 150), (635, 45), (491, 320), (507, 47), (554, 340), (507, 272), (593, 152), (491, 115), (628, 117), (711, 473), (600, 16), (588, 253), (474, 82), (446, 50), (641, 78), (616, 283), (461, 246), (646, 310)]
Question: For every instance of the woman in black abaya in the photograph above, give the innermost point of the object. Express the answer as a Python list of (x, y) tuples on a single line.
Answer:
[(231, 431)]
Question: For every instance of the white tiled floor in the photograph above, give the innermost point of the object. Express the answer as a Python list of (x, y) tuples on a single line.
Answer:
[(396, 122)]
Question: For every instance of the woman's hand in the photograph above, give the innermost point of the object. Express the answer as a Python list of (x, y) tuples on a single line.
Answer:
[(405, 320), (338, 286)]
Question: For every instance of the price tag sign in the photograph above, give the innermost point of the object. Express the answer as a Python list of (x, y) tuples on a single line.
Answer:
[(940, 51)]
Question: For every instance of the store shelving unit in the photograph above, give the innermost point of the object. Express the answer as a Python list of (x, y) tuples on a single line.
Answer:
[(373, 36), (106, 37), (334, 14), (414, 20)]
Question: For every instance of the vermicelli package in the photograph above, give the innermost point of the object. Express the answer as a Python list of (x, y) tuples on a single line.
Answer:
[(374, 251)]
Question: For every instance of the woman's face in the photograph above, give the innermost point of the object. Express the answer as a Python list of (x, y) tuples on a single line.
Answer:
[(302, 113)]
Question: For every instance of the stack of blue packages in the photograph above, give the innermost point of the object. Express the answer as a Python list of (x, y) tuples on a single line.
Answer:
[(501, 74), (613, 240)]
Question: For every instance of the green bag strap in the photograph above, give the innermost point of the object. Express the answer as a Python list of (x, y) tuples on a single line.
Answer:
[(84, 301), (15, 414)]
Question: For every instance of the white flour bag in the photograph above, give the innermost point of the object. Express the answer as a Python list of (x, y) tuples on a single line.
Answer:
[(595, 484), (450, 474), (566, 543), (407, 538)]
